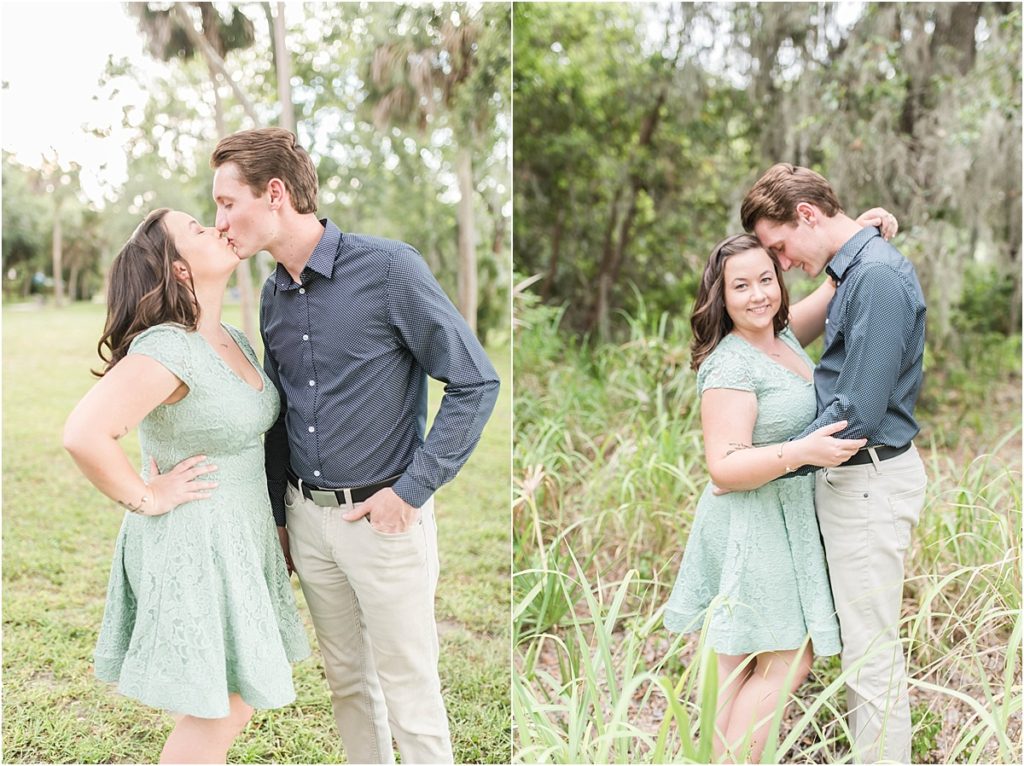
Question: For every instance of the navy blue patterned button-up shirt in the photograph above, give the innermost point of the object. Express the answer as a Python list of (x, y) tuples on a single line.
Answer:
[(349, 350), (870, 371)]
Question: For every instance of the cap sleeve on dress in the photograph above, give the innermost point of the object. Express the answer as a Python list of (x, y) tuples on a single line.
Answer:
[(725, 368), (169, 345)]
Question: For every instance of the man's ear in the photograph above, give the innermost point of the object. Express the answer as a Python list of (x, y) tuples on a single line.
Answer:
[(276, 193), (807, 213)]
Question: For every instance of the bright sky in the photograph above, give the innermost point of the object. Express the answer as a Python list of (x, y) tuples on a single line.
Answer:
[(52, 55)]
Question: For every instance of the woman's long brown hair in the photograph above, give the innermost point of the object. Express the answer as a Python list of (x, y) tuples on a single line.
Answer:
[(710, 321), (143, 291)]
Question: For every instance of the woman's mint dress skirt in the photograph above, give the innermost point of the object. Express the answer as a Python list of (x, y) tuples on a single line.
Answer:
[(758, 555), (199, 603), (760, 551)]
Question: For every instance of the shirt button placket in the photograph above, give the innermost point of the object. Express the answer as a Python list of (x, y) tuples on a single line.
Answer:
[(308, 357)]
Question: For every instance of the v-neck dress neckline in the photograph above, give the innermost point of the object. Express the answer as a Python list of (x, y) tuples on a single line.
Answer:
[(259, 372)]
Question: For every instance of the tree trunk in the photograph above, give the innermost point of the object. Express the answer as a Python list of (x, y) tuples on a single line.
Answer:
[(556, 248), (268, 11), (467, 237), (1013, 260), (500, 234), (599, 314), (1013, 323), (58, 252), (283, 64), (247, 300), (953, 38), (611, 266), (213, 60), (243, 274), (620, 229), (74, 288), (218, 104)]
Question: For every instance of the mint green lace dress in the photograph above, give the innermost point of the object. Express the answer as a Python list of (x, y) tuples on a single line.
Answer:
[(758, 552), (199, 603)]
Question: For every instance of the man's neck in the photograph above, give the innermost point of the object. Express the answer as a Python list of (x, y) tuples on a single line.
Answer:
[(841, 229), (295, 243)]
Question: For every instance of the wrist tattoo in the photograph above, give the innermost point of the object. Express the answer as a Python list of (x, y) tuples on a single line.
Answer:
[(124, 432), (139, 508), (736, 447)]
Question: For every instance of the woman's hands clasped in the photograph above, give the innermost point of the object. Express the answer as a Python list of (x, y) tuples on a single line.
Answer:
[(179, 485), (822, 449), (882, 218)]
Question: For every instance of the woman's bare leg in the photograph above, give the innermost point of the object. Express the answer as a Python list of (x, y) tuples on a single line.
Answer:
[(757, 698), (205, 740), (728, 689)]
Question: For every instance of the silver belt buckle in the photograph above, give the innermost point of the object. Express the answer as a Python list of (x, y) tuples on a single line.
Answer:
[(320, 497)]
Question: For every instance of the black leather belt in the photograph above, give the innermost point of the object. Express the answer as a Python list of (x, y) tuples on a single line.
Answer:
[(324, 496), (862, 456)]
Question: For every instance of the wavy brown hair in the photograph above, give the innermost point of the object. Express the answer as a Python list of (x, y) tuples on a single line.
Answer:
[(710, 321), (142, 290)]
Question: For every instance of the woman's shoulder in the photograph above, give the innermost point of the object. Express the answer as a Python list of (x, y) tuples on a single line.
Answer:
[(729, 348), (726, 366), (163, 331), (169, 343)]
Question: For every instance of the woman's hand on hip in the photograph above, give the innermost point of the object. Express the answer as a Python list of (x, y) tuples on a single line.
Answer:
[(179, 485)]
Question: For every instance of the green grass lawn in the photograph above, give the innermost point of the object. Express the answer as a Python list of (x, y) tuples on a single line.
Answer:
[(58, 538)]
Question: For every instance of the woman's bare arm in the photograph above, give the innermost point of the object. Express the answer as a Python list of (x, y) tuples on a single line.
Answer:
[(118, 402), (728, 417)]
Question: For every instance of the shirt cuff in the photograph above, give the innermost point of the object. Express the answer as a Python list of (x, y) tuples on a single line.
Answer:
[(411, 491)]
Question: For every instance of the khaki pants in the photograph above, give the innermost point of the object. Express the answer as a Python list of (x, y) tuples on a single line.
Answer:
[(371, 596), (867, 513)]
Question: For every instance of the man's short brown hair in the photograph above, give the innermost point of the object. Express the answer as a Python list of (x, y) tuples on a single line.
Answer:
[(266, 153), (777, 193)]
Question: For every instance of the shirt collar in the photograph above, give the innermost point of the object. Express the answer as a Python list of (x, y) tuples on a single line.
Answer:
[(321, 261), (850, 252)]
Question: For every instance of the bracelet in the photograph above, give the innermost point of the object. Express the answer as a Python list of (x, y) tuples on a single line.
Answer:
[(138, 509), (785, 465)]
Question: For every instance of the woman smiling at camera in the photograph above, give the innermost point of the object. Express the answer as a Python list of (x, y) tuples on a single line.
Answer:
[(754, 556)]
